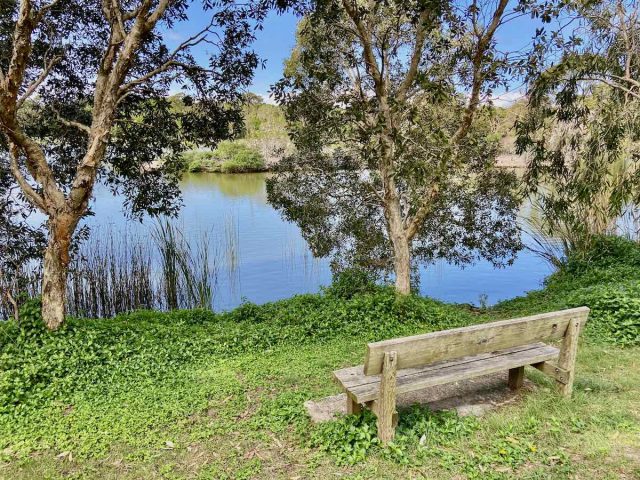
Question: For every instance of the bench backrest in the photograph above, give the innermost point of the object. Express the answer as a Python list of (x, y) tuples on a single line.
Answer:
[(459, 342)]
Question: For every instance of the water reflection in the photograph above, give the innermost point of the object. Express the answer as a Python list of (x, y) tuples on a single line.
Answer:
[(261, 257), (229, 185)]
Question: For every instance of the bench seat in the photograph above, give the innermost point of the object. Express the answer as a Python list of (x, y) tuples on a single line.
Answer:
[(363, 388)]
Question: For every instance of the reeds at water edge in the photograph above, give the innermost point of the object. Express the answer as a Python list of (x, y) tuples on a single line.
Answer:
[(114, 272)]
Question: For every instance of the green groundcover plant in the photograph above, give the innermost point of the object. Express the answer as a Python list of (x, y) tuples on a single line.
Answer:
[(146, 378)]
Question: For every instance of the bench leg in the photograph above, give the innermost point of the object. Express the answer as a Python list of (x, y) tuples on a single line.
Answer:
[(567, 357), (516, 378), (386, 408), (353, 407)]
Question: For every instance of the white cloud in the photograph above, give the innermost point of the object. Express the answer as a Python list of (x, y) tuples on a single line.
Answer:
[(268, 98), (507, 99)]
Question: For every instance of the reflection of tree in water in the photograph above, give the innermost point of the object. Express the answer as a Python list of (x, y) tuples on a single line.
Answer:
[(231, 184)]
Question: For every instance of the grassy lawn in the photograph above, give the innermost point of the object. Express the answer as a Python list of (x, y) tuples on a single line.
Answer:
[(199, 395)]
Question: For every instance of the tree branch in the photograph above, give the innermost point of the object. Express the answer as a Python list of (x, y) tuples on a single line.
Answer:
[(364, 34), (415, 56), (71, 123), (28, 190), (170, 62), (37, 82), (484, 41)]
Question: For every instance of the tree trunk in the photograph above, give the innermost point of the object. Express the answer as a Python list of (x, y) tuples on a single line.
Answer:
[(402, 263), (401, 247), (56, 268)]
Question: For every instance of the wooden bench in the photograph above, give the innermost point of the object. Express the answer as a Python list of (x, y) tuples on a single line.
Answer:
[(412, 363)]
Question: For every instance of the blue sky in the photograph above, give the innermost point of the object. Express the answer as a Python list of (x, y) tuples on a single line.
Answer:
[(275, 41)]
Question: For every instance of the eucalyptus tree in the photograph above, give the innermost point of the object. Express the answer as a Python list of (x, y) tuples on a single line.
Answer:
[(582, 127), (395, 158), (84, 99)]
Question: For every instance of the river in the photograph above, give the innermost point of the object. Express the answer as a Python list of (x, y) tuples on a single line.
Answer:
[(261, 257)]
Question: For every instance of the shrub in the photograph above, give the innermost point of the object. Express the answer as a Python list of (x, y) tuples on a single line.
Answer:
[(228, 157), (236, 157), (615, 312), (351, 282), (199, 161), (605, 251)]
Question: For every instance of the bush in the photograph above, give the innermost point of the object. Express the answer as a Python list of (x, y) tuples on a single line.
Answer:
[(605, 251), (615, 312), (348, 283), (199, 161), (228, 157), (236, 157)]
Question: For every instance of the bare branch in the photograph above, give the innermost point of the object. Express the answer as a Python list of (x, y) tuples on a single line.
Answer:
[(157, 13), (484, 41), (37, 82), (192, 41), (47, 7), (25, 25), (71, 123), (415, 56)]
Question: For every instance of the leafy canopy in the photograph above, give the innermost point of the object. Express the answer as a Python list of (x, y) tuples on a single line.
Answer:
[(355, 134)]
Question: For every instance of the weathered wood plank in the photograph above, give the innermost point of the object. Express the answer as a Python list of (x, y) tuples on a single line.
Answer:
[(386, 405), (476, 339), (554, 371), (516, 378), (353, 407), (459, 371), (354, 376), (567, 357)]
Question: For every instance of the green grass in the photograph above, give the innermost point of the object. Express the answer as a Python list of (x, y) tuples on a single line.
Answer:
[(192, 394)]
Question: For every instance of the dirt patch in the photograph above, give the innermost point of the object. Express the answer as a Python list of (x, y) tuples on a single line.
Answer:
[(469, 397)]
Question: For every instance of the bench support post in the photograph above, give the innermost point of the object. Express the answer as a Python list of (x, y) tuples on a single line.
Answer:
[(353, 407), (516, 378), (567, 357), (552, 370), (386, 405)]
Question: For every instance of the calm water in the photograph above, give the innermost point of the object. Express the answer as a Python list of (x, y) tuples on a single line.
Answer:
[(261, 257)]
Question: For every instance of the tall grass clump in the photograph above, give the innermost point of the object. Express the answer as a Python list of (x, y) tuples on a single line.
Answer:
[(22, 283), (187, 273), (115, 272), (111, 274)]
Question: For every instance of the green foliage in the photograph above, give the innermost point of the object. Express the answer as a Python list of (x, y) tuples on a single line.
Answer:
[(147, 344), (580, 129), (605, 251), (350, 282), (349, 440), (190, 377), (263, 121), (604, 278), (236, 157), (198, 160), (615, 312), (228, 157)]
